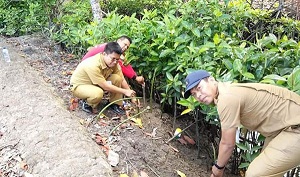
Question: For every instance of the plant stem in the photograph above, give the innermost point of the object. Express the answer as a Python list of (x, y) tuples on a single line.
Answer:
[(174, 136), (126, 121), (102, 110), (151, 89)]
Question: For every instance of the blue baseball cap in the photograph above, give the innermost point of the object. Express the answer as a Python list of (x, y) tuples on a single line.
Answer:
[(193, 79)]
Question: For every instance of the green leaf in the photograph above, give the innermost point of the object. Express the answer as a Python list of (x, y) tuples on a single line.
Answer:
[(244, 165), (216, 39), (248, 75), (294, 80), (260, 138), (227, 63), (207, 31), (242, 146), (169, 76), (218, 13), (273, 38), (239, 53), (225, 45), (255, 148), (166, 53), (267, 81), (254, 155), (184, 102), (186, 24), (176, 88), (248, 157), (192, 49), (153, 53), (237, 65), (196, 32), (243, 45), (186, 111), (203, 48), (274, 77)]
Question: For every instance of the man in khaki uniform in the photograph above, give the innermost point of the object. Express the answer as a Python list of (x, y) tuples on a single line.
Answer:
[(98, 73), (271, 110)]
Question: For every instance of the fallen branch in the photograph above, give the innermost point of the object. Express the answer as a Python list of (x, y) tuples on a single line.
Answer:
[(150, 168)]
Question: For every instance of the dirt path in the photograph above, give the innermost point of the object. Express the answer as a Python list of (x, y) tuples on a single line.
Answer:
[(34, 122), (34, 118)]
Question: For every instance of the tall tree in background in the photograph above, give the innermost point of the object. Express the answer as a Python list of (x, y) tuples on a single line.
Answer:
[(96, 9)]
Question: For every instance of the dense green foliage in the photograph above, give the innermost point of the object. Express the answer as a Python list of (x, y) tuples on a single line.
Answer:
[(130, 7), (231, 40), (24, 17), (70, 27)]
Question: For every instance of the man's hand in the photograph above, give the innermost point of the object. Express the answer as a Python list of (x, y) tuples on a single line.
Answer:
[(140, 79), (134, 101), (129, 93), (215, 172)]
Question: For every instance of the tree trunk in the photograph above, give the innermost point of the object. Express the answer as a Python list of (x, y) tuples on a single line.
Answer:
[(96, 9)]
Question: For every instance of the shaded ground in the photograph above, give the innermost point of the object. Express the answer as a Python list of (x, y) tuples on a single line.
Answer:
[(139, 149)]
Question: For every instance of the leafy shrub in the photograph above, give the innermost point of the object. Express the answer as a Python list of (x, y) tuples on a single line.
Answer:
[(24, 17), (192, 35), (71, 23), (129, 7)]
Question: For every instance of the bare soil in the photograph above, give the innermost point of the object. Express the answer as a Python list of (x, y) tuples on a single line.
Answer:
[(139, 148)]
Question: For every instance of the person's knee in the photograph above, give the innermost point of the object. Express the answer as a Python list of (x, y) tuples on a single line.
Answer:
[(252, 173), (254, 169), (95, 98), (259, 169)]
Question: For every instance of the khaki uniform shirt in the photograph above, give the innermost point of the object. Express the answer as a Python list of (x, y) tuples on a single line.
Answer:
[(260, 107), (93, 71)]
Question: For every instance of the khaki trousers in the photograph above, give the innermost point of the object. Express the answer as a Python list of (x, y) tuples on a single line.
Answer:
[(93, 93), (279, 156)]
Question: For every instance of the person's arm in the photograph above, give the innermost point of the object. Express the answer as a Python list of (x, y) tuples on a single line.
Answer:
[(140, 80), (115, 89), (124, 84), (129, 72), (94, 50), (226, 147)]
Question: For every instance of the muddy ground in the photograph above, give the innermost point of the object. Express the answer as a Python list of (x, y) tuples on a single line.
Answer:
[(141, 148)]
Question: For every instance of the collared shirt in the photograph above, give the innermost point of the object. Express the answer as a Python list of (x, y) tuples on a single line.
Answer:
[(127, 69), (93, 71), (261, 107)]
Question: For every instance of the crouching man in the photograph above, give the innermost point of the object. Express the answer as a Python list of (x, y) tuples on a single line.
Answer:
[(98, 73), (270, 110)]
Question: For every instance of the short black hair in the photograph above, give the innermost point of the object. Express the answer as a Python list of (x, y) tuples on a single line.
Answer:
[(113, 47), (125, 37)]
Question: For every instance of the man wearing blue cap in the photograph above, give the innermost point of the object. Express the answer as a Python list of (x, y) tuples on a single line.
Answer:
[(271, 110)]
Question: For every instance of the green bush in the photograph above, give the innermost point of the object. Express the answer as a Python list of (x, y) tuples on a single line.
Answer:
[(70, 25), (192, 35), (24, 17), (129, 7)]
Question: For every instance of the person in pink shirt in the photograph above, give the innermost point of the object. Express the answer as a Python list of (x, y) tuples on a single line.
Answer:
[(127, 70)]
